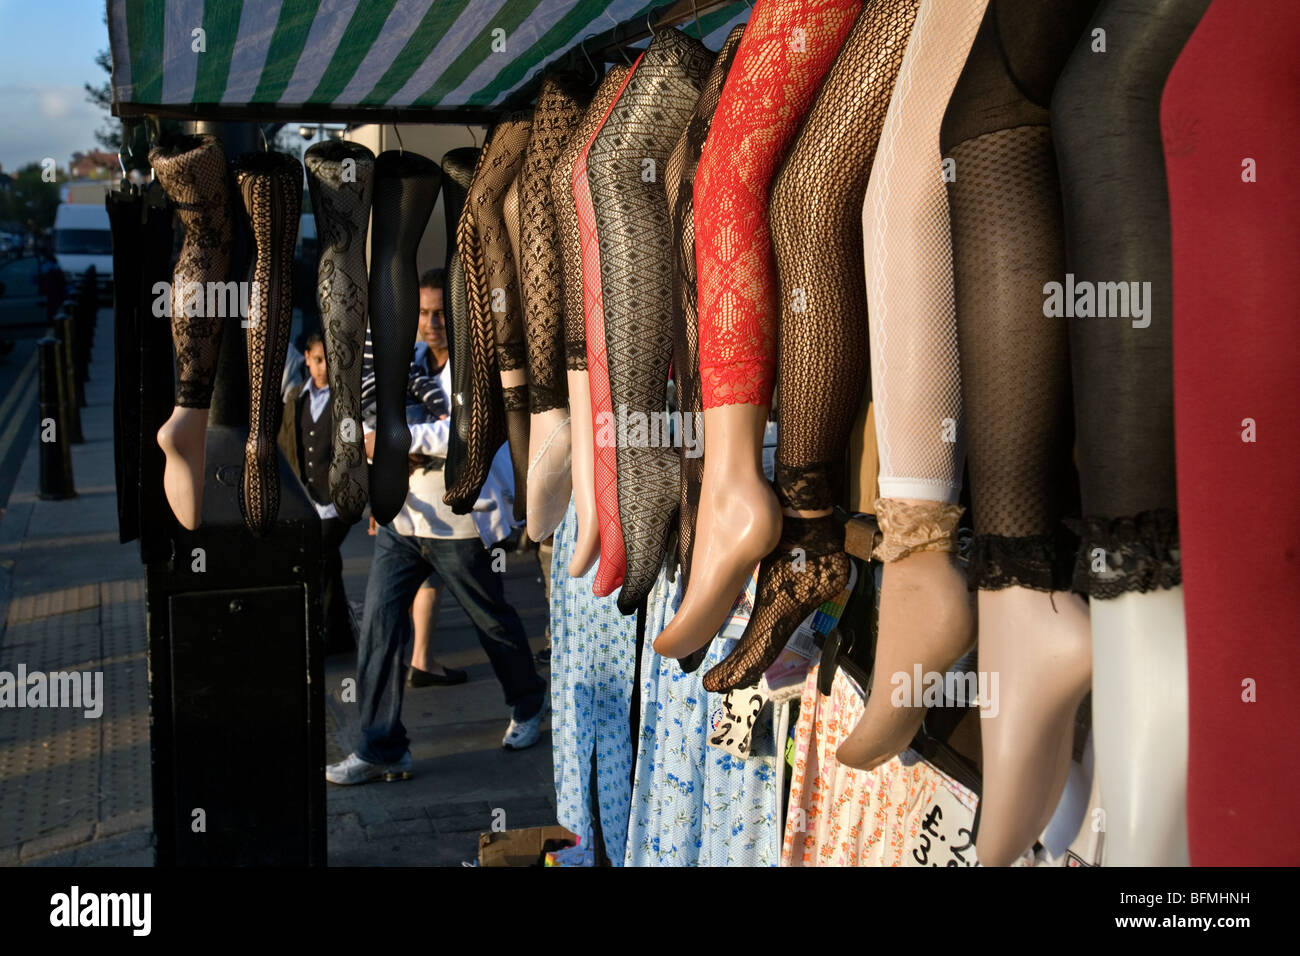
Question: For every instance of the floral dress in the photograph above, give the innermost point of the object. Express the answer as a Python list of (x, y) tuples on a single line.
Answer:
[(694, 805)]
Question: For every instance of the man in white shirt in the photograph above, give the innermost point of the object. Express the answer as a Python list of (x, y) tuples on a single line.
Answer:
[(427, 537)]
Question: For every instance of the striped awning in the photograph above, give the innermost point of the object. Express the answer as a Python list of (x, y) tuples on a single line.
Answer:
[(458, 60)]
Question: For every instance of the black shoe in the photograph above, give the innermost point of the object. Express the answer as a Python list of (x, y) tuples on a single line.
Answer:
[(415, 677)]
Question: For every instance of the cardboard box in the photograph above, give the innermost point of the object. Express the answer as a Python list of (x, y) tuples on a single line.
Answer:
[(518, 847)]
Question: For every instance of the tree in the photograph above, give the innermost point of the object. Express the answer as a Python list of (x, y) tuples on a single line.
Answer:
[(109, 135), (30, 200)]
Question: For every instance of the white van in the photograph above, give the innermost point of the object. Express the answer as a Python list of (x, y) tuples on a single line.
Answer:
[(82, 239)]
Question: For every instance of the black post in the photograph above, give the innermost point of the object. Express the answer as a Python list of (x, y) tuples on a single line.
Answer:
[(56, 457), (68, 396)]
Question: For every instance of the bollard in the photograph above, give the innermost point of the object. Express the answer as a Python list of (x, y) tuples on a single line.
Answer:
[(72, 412), (56, 456)]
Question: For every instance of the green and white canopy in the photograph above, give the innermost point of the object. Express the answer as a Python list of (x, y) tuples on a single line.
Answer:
[(323, 59)]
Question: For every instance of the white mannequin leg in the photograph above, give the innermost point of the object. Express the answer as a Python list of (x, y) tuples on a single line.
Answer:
[(1139, 717)]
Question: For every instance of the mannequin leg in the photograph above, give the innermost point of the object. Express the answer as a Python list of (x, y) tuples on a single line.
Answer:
[(679, 184), (636, 270), (1123, 385), (1139, 717), (478, 408), (487, 197), (926, 618), (740, 519), (270, 185), (342, 208), (1008, 242), (192, 171), (583, 468), (613, 556), (406, 188), (1236, 352), (1042, 657), (817, 237), (541, 268), (457, 175)]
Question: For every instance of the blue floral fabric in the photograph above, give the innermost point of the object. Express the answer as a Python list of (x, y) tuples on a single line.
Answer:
[(593, 660), (694, 805)]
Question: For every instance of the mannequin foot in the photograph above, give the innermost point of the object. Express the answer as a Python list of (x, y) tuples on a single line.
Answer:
[(738, 525), (649, 488), (807, 568), (926, 620), (389, 475), (550, 481), (182, 439), (1038, 646), (587, 548)]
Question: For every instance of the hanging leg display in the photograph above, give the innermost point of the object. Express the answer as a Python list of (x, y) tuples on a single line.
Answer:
[(613, 558), (541, 269), (457, 175), (1008, 243), (583, 456), (817, 236), (504, 156), (784, 56), (926, 618), (1122, 358), (679, 184), (624, 169), (1235, 217), (270, 185), (193, 173), (339, 175), (406, 188), (478, 410)]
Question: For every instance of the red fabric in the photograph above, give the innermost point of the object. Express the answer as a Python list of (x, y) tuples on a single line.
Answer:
[(613, 557), (785, 53), (1235, 93)]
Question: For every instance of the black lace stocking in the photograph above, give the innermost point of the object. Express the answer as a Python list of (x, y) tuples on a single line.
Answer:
[(480, 405), (406, 188), (504, 155), (625, 170), (270, 185), (560, 105), (192, 171), (566, 212), (808, 566), (1008, 241), (339, 175), (457, 174)]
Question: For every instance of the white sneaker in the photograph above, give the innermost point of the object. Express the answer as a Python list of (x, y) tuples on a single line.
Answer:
[(355, 770), (522, 734)]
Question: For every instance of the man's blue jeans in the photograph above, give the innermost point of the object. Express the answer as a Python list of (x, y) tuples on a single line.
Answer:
[(400, 566)]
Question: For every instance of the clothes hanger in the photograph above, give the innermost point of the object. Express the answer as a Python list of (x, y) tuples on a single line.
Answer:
[(620, 49)]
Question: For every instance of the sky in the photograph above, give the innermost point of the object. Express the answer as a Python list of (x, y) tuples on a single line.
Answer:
[(47, 51)]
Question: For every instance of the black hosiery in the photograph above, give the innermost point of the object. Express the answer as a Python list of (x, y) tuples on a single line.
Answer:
[(406, 188)]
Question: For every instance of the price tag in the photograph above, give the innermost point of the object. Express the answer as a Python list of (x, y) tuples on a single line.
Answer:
[(939, 831), (731, 725)]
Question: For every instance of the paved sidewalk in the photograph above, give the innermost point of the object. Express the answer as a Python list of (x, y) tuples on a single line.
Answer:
[(76, 791)]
